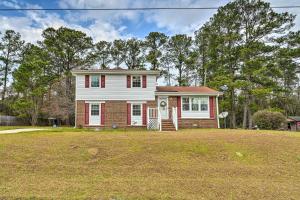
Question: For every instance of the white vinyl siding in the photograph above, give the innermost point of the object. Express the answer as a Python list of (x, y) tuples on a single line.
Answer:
[(195, 107), (116, 89)]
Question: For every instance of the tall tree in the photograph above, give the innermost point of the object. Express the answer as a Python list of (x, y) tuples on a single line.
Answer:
[(118, 52), (68, 49), (179, 46), (154, 43), (10, 52), (102, 53), (258, 21), (134, 57), (31, 80)]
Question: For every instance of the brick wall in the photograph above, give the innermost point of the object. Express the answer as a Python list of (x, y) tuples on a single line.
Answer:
[(115, 113), (198, 123), (80, 113)]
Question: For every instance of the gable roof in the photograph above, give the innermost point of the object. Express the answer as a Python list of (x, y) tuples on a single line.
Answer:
[(187, 90), (117, 70)]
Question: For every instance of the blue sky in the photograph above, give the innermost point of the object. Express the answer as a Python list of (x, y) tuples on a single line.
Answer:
[(109, 25)]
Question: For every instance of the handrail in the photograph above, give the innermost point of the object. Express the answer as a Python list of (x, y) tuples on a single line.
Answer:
[(158, 119), (175, 118)]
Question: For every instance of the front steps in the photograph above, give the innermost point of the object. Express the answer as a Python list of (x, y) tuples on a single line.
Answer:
[(167, 125)]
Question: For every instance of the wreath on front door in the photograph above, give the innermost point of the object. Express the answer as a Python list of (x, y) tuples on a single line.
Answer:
[(163, 104)]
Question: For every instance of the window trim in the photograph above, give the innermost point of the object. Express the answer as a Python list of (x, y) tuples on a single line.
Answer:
[(91, 78), (199, 104), (141, 81), (141, 111)]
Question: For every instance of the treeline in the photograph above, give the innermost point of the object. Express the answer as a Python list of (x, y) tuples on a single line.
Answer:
[(247, 50)]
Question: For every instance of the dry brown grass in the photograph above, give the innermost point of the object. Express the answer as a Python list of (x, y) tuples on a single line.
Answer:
[(189, 164)]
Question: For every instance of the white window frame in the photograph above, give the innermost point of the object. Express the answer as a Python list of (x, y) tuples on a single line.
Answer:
[(140, 109), (91, 77), (199, 104), (141, 79)]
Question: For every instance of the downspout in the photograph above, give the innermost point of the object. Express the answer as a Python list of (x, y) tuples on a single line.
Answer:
[(75, 123), (217, 102)]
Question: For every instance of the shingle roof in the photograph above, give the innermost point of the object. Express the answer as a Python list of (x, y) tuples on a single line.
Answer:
[(295, 118), (187, 89), (117, 70)]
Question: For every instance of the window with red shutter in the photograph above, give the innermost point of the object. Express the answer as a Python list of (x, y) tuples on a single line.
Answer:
[(179, 107), (102, 81), (212, 107), (128, 114), (128, 81), (144, 81), (87, 81), (144, 114), (86, 113)]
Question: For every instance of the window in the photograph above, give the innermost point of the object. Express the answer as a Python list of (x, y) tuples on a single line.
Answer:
[(195, 104), (94, 81), (204, 104), (95, 109), (185, 104), (136, 110), (136, 81)]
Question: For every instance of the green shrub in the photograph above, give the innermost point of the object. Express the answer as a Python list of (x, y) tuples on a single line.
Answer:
[(266, 119)]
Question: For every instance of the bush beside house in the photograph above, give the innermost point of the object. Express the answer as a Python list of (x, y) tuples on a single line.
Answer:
[(271, 120)]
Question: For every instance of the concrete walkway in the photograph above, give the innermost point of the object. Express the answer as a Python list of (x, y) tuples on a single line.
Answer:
[(21, 130)]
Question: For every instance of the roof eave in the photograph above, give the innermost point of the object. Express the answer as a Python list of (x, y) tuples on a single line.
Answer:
[(142, 72), (189, 93)]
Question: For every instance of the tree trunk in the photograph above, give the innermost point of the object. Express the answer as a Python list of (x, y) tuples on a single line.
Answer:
[(68, 95), (233, 110), (5, 81), (245, 114)]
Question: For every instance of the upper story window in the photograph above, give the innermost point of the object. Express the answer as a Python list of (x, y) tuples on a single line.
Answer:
[(94, 81), (194, 103), (136, 81)]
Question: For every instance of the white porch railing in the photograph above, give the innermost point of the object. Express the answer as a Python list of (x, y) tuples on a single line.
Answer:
[(175, 118), (159, 119), (153, 119)]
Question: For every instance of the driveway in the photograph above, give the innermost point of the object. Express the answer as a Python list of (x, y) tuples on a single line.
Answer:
[(21, 130)]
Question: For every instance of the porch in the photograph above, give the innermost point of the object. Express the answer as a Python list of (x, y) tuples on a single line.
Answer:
[(157, 119)]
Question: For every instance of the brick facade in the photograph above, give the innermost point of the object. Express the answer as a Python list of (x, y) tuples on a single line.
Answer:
[(80, 113), (116, 113)]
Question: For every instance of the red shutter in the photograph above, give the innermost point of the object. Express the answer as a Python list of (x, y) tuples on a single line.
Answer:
[(128, 114), (87, 81), (86, 113), (128, 81), (102, 81), (144, 114), (179, 107), (102, 113), (144, 81), (212, 107)]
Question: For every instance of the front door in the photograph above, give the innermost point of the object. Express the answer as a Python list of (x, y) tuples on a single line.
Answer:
[(95, 114), (163, 107)]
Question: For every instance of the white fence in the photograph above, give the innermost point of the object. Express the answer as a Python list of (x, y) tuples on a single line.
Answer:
[(11, 121)]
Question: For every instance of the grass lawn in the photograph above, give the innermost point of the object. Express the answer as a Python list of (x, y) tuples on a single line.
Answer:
[(188, 164)]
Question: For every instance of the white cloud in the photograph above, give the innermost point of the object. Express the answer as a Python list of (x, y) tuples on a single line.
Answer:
[(32, 23)]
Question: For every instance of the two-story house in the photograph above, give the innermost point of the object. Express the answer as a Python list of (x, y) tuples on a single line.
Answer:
[(114, 98)]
